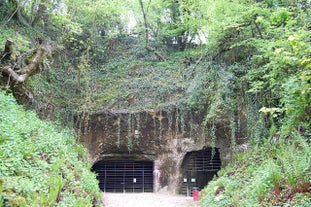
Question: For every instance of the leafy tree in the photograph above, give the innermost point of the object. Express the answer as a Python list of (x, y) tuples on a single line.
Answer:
[(182, 22)]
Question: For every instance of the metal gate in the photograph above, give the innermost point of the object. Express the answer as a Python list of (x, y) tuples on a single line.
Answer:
[(124, 175), (198, 168)]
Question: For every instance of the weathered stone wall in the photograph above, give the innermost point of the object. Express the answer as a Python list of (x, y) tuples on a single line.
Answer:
[(162, 136)]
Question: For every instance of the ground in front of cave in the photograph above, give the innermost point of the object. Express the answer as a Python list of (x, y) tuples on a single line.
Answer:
[(160, 199)]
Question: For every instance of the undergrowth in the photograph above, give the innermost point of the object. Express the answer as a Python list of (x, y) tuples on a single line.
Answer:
[(40, 163), (276, 173)]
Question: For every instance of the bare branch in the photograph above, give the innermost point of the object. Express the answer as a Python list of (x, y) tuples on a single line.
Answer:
[(32, 66)]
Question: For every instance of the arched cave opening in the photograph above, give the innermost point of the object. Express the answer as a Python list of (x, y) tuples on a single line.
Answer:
[(124, 176), (198, 168)]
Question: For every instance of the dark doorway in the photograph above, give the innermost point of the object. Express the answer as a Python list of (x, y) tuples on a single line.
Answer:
[(198, 168), (124, 175)]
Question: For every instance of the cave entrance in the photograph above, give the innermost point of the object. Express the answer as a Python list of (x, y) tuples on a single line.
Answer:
[(124, 175), (198, 168)]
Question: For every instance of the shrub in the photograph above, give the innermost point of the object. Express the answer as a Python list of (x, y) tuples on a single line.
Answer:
[(40, 164), (270, 174)]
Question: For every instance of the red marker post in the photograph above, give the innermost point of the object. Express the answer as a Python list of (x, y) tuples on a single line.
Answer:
[(195, 193)]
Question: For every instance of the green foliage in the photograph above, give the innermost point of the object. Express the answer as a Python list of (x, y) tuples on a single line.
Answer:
[(264, 176), (100, 65), (223, 16), (280, 17), (253, 72), (41, 165), (21, 40), (257, 53), (276, 172), (301, 200)]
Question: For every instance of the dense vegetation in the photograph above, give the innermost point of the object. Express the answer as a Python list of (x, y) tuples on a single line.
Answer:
[(275, 170), (274, 174), (238, 62), (40, 164)]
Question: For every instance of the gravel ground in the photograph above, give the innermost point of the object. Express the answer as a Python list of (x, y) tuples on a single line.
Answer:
[(147, 200)]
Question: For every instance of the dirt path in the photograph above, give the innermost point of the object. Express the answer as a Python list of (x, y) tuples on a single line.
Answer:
[(147, 200)]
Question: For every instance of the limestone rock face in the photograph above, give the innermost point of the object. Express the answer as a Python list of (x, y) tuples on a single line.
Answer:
[(164, 137)]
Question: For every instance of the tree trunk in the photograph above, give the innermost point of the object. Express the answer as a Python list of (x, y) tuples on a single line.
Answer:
[(158, 54), (11, 67)]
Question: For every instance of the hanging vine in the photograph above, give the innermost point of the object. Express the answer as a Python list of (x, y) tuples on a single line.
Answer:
[(129, 133), (170, 122), (213, 139), (191, 127), (177, 123), (233, 130), (160, 125), (154, 119), (138, 128), (255, 124), (119, 130), (182, 122)]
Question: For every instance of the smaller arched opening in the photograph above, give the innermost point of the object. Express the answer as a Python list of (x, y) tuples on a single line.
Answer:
[(124, 176), (198, 168)]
